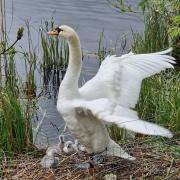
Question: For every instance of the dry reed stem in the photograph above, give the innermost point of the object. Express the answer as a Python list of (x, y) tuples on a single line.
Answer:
[(151, 163)]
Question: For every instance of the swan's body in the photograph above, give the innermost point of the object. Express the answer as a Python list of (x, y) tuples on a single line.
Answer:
[(107, 98)]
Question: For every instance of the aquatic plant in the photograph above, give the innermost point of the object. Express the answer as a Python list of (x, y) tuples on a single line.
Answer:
[(30, 64), (55, 56), (102, 50)]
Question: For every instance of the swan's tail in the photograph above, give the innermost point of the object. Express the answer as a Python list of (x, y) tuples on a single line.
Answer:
[(114, 149)]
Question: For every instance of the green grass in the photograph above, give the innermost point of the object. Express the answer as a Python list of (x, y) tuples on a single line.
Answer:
[(160, 100), (15, 112), (16, 107), (155, 36), (15, 125)]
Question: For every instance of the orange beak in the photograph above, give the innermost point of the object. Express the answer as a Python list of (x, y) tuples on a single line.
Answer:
[(54, 33)]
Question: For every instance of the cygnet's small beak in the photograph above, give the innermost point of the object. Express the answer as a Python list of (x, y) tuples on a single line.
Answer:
[(55, 33)]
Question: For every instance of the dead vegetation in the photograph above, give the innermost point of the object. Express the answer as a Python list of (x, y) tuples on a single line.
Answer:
[(155, 160)]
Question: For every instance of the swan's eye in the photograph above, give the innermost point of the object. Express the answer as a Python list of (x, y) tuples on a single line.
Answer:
[(58, 30)]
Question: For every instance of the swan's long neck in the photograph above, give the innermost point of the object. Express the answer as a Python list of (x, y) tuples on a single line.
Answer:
[(69, 85)]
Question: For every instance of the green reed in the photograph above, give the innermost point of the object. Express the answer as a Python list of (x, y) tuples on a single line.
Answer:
[(30, 61), (55, 56), (16, 109), (102, 50), (160, 99), (55, 51), (16, 133), (155, 37), (15, 120)]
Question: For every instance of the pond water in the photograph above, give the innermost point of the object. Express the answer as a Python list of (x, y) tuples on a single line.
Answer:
[(90, 17)]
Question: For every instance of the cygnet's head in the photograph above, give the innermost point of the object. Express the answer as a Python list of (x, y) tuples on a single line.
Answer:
[(68, 147), (64, 31)]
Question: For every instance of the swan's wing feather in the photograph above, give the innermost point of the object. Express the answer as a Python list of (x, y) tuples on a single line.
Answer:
[(99, 85), (132, 71), (140, 126), (119, 78), (103, 110)]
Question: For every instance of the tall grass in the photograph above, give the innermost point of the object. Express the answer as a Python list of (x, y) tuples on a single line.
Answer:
[(15, 109), (155, 36), (16, 133), (160, 100), (30, 59), (15, 120)]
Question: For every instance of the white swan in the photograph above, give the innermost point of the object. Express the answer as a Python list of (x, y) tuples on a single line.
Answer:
[(109, 97)]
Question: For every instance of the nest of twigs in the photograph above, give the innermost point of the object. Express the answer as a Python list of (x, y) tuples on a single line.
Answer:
[(151, 163)]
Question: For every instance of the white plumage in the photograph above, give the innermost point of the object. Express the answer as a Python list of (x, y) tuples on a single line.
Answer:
[(109, 97)]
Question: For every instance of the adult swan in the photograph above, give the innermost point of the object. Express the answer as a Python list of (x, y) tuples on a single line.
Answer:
[(109, 97)]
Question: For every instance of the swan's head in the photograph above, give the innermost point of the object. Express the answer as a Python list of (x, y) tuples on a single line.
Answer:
[(64, 31)]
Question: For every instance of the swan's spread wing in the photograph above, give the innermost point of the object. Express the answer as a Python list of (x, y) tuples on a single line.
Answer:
[(103, 110), (119, 78)]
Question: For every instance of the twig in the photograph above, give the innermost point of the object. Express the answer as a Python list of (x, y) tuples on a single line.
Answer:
[(19, 36), (169, 169)]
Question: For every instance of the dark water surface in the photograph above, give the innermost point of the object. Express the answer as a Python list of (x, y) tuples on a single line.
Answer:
[(90, 17)]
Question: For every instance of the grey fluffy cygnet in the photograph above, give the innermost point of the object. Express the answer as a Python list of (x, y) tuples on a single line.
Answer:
[(56, 149), (50, 159), (70, 147), (79, 147)]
